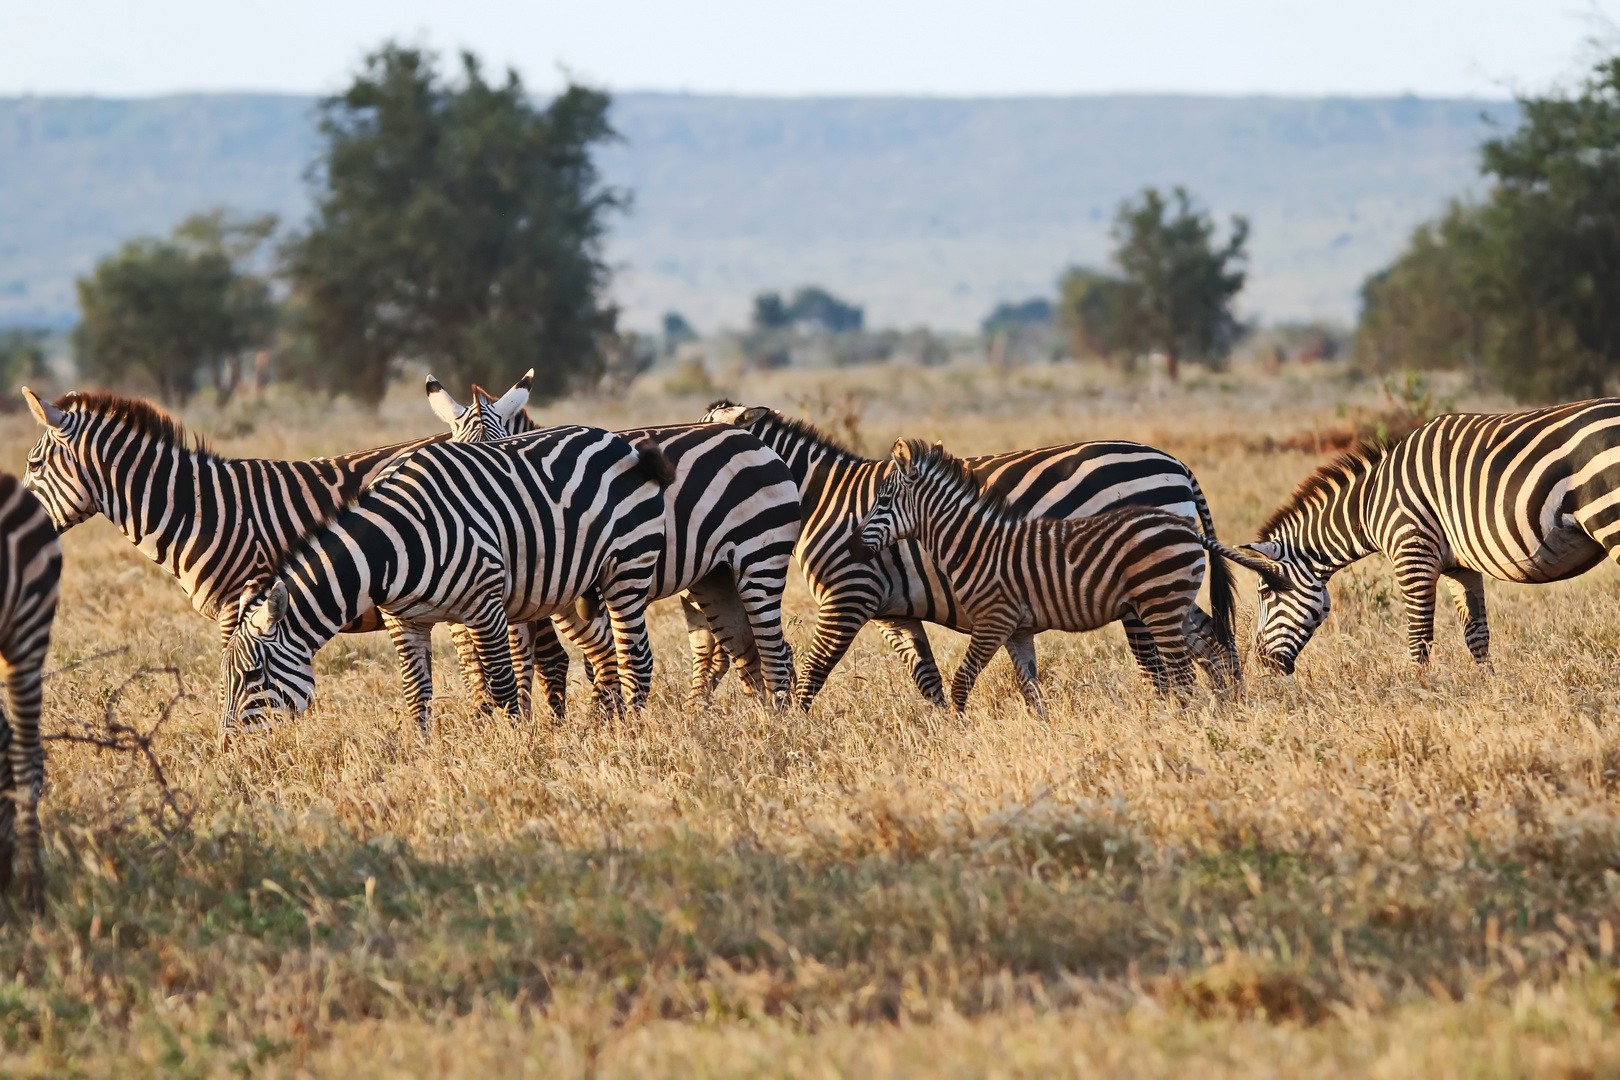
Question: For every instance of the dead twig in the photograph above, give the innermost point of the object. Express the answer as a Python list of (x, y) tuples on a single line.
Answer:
[(65, 668), (115, 735)]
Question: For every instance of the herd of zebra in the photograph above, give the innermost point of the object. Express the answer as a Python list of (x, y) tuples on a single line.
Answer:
[(512, 532)]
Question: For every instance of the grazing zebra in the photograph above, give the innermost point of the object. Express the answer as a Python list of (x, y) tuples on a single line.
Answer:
[(30, 568), (1529, 496), (481, 534), (215, 523), (1015, 577), (902, 587), (731, 521)]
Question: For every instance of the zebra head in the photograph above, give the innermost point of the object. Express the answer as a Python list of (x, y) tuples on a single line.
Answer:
[(487, 418), (896, 508), (1288, 619), (55, 474), (264, 670), (729, 412)]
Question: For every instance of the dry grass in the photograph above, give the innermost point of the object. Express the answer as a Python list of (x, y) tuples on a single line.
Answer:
[(1356, 871)]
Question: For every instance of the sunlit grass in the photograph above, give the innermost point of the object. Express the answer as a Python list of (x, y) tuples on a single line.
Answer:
[(1359, 870)]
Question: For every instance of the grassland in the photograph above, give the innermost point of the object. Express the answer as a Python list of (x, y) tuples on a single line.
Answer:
[(1359, 870)]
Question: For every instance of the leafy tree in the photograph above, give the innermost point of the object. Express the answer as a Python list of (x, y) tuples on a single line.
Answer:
[(677, 332), (770, 313), (455, 223), (1424, 310), (1551, 243), (817, 307), (164, 311), (1091, 307), (1181, 285)]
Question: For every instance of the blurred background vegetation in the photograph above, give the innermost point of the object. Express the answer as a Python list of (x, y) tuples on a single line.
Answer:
[(459, 225)]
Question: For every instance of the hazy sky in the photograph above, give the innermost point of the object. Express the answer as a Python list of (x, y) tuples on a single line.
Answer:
[(1434, 47)]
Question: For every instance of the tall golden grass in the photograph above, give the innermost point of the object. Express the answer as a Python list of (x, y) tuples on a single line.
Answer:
[(1359, 870)]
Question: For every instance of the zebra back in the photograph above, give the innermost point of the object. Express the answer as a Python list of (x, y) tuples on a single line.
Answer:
[(216, 523)]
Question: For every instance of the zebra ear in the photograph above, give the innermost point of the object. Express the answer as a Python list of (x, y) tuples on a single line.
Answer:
[(1264, 549), (751, 415), (43, 411), (273, 610), (512, 402), (444, 406), (902, 456)]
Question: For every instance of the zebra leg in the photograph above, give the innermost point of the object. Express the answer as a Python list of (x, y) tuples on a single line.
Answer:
[(27, 767), (988, 636), (1417, 572), (492, 634), (908, 638), (413, 644), (708, 657), (632, 652), (835, 632), (716, 596), (550, 661), (520, 644), (1215, 658), (589, 627), (1468, 593), (1139, 639), (1168, 627), (758, 588), (1021, 650), (472, 669)]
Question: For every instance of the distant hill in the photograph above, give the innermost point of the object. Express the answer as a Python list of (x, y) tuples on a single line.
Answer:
[(925, 210)]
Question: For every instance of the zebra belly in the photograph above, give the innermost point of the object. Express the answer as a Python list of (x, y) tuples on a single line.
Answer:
[(1564, 552)]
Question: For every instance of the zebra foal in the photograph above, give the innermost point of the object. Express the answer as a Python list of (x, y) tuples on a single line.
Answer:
[(902, 587), (1530, 497), (1015, 578), (481, 534), (30, 569)]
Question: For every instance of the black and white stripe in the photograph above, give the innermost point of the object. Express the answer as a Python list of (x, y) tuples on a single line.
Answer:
[(1014, 577), (1529, 497), (731, 522), (30, 568), (902, 587), (217, 524), (482, 534)]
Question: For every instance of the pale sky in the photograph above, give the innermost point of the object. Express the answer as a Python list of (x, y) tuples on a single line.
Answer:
[(1484, 48)]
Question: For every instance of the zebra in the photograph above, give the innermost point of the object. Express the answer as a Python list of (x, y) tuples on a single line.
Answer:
[(1015, 577), (902, 587), (481, 534), (215, 523), (1528, 496), (30, 573), (732, 519)]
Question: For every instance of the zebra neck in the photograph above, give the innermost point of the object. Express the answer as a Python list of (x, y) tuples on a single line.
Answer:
[(336, 576), (952, 521), (158, 500)]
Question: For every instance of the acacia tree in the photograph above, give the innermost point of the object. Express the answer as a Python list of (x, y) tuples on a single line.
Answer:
[(1180, 285), (163, 312), (458, 224)]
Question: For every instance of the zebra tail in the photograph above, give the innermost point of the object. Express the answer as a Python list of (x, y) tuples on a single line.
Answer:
[(1266, 568), (1221, 606), (654, 465)]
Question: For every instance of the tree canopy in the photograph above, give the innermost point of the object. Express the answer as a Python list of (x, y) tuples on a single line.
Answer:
[(455, 223), (163, 312), (1521, 282), (1180, 283)]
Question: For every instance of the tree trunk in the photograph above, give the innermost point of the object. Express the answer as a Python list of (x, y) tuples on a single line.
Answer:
[(1172, 366)]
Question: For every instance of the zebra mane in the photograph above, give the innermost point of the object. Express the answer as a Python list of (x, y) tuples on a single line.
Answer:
[(140, 415), (945, 465), (802, 428), (1353, 464)]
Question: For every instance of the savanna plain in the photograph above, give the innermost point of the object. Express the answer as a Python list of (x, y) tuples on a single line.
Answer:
[(1359, 870)]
